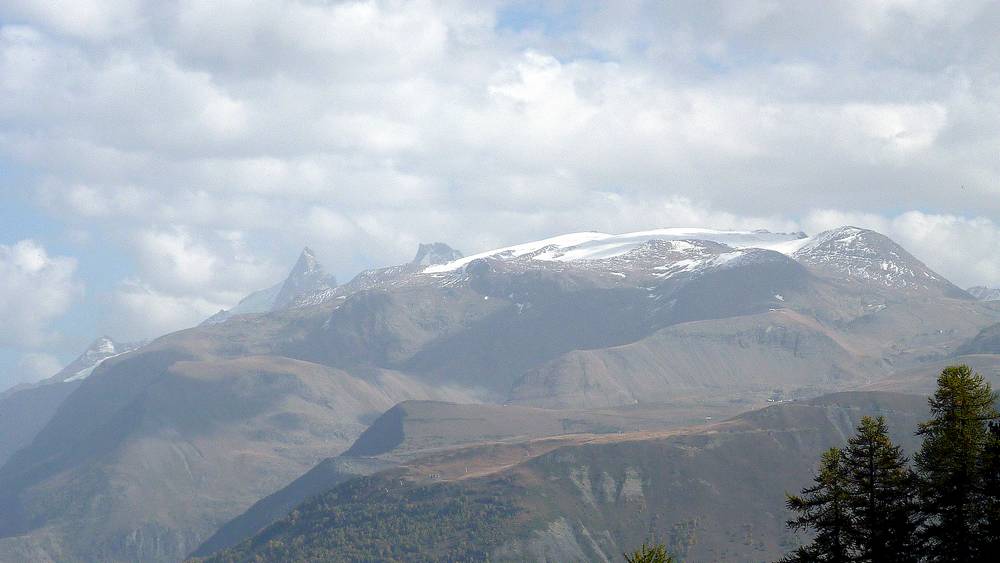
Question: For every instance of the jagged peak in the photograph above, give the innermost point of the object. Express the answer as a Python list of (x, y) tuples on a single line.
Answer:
[(103, 345), (429, 254), (307, 277), (306, 263)]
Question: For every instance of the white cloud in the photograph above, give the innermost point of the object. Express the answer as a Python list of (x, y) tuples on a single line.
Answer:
[(212, 140), (141, 311), (88, 19), (35, 289), (184, 276), (35, 366)]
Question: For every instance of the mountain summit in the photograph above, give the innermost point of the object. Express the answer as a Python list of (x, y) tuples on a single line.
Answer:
[(307, 277), (871, 258), (434, 253), (98, 351)]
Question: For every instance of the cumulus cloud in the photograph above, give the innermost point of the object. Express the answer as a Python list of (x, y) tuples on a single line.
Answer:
[(181, 279), (141, 311), (211, 141), (35, 289)]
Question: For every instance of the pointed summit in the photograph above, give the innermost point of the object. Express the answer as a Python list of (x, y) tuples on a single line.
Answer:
[(307, 277), (306, 263), (435, 253), (98, 351)]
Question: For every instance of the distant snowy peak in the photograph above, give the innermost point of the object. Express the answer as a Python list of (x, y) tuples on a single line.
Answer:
[(984, 293), (435, 253), (306, 279), (846, 253), (868, 256), (601, 246), (850, 254), (100, 350)]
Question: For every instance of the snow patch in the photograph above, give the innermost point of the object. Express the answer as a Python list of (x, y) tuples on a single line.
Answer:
[(600, 246)]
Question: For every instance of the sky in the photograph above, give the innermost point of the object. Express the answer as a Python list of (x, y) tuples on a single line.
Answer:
[(160, 160)]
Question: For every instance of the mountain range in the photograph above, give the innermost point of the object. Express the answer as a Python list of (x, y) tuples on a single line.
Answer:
[(583, 362)]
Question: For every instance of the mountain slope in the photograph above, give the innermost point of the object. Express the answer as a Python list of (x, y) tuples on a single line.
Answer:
[(417, 428), (713, 494), (752, 356), (591, 311), (986, 342), (873, 259), (173, 445), (26, 409)]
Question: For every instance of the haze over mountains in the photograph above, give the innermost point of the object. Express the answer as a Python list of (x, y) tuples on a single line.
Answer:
[(153, 451), (984, 293)]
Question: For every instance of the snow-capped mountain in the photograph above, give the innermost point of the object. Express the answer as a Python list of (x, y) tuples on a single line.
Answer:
[(984, 293), (99, 350), (638, 258), (306, 280), (592, 246), (869, 257), (845, 253), (690, 318)]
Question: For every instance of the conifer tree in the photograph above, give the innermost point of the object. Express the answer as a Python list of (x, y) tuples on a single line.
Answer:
[(989, 531), (881, 496), (950, 465), (656, 553), (823, 507)]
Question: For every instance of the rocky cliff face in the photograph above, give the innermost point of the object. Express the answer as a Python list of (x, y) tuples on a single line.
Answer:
[(434, 253)]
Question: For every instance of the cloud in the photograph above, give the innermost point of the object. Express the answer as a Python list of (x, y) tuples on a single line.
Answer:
[(210, 141), (87, 19), (182, 279), (140, 311), (35, 289), (35, 366)]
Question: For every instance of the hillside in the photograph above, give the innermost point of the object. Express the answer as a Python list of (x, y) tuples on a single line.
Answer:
[(986, 342), (739, 358), (182, 448), (416, 429), (159, 447), (713, 493), (26, 409)]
